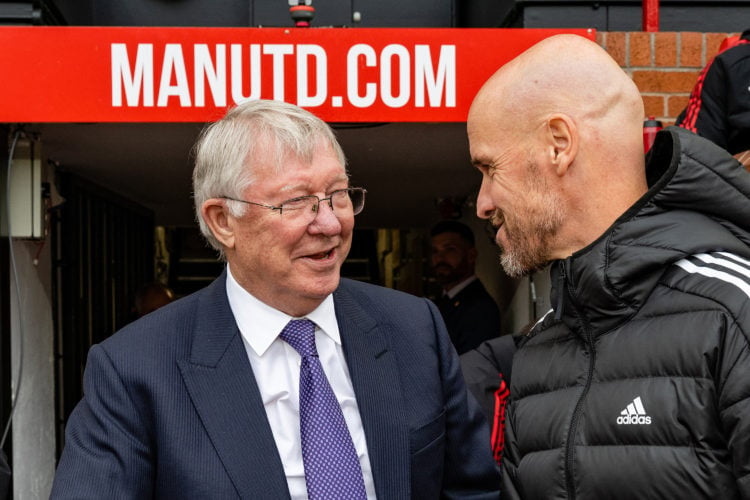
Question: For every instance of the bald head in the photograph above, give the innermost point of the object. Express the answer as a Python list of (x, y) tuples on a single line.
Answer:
[(564, 113), (562, 74)]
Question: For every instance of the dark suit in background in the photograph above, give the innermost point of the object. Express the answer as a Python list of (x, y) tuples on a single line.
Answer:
[(472, 316)]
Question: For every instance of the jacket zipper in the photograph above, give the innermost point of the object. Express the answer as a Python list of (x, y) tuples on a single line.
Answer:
[(561, 286), (566, 287)]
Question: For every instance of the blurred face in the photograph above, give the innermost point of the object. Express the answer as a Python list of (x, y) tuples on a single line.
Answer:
[(516, 197), (292, 267), (452, 259)]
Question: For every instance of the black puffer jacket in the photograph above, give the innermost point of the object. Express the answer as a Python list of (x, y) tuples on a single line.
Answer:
[(637, 385)]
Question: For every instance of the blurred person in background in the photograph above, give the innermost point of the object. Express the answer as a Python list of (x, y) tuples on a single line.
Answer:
[(469, 311), (719, 105), (150, 297)]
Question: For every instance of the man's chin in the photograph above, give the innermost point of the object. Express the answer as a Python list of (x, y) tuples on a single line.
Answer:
[(514, 268)]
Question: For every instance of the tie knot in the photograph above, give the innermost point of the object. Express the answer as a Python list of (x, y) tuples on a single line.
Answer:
[(300, 334)]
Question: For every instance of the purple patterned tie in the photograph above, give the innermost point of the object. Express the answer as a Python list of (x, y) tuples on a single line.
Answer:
[(332, 468)]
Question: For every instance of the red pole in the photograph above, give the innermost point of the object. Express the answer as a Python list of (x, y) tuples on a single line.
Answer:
[(651, 15)]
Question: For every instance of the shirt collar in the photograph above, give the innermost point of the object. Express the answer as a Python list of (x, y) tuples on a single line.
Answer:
[(260, 324), (454, 291)]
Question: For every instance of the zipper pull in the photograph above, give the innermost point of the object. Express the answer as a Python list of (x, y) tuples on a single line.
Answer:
[(560, 291)]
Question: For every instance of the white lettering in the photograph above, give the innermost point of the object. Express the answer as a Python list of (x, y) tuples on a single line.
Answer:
[(443, 81), (634, 420), (278, 51), (388, 75), (216, 75), (133, 81), (401, 54), (174, 65), (237, 73), (352, 76), (316, 52)]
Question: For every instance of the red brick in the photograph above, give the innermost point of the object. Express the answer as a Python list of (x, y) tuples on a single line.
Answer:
[(601, 39), (654, 105), (665, 81), (675, 104), (691, 50), (616, 47), (640, 49), (665, 49)]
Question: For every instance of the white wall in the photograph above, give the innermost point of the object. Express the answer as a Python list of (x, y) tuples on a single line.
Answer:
[(32, 332)]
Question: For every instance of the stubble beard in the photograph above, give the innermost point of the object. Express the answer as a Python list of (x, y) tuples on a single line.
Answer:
[(529, 240)]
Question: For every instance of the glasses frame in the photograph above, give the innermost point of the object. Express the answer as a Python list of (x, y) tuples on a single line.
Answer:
[(316, 207)]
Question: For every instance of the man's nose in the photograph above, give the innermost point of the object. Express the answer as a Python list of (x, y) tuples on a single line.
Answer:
[(485, 205), (325, 220)]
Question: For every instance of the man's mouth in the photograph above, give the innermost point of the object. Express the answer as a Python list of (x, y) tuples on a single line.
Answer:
[(321, 255), (497, 219)]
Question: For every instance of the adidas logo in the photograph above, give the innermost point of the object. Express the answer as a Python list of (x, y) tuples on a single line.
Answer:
[(634, 414)]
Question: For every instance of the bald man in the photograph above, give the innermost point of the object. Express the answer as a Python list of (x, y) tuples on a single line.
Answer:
[(637, 383)]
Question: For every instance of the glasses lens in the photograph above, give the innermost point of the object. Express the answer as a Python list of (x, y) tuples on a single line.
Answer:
[(299, 211), (303, 211), (301, 204), (348, 201), (357, 196)]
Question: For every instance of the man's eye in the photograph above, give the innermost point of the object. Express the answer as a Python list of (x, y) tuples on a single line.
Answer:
[(295, 204)]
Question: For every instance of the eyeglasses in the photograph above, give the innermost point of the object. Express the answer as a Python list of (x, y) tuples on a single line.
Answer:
[(303, 209)]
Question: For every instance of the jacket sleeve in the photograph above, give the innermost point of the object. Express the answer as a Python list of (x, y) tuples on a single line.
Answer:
[(509, 487), (106, 453), (480, 372), (470, 472), (734, 398), (487, 371)]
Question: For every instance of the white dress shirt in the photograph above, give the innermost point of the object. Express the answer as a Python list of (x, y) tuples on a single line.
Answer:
[(276, 366)]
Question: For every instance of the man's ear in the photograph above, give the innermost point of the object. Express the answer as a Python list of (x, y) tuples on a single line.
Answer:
[(562, 137), (219, 220)]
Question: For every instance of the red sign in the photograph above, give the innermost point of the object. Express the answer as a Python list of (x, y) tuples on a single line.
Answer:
[(105, 74)]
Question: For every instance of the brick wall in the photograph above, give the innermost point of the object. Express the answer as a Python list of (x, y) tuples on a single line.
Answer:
[(664, 65)]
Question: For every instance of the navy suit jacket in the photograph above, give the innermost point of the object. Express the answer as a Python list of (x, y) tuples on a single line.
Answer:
[(172, 410)]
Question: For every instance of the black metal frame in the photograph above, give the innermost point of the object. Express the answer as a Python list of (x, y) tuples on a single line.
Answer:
[(102, 250)]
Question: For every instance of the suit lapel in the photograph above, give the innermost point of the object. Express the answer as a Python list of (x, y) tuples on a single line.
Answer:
[(223, 389), (374, 372)]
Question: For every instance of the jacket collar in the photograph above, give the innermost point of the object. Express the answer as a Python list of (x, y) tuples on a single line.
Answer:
[(697, 201)]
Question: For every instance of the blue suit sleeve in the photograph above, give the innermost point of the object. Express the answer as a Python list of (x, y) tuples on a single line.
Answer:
[(470, 470), (106, 453)]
